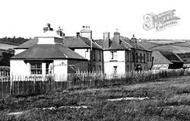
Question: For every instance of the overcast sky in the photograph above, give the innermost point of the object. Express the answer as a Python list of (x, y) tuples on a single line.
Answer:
[(26, 18)]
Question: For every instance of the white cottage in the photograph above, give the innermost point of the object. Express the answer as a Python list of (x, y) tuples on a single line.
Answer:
[(46, 57)]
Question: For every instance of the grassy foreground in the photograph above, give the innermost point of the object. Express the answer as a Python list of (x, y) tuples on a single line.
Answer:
[(165, 100)]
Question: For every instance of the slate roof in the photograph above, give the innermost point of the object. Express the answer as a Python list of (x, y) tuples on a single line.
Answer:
[(48, 51), (79, 42), (28, 44), (134, 45), (159, 58), (125, 44), (171, 56)]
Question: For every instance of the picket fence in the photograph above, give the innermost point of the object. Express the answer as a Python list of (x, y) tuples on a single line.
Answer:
[(34, 85)]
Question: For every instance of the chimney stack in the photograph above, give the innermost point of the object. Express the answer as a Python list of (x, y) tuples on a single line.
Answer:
[(60, 32), (106, 39), (106, 35), (86, 32), (77, 34), (48, 28), (117, 37), (134, 39)]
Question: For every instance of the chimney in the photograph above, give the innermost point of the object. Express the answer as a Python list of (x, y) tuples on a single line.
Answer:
[(106, 39), (60, 32), (134, 39), (77, 34), (106, 35), (86, 32), (117, 37), (48, 28)]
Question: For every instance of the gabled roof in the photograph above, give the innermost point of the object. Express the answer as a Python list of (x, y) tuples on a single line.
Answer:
[(117, 46), (135, 45), (159, 58), (171, 56), (79, 42), (48, 51), (125, 44)]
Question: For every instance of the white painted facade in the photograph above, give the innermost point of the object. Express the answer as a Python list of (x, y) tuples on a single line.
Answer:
[(46, 40), (20, 69), (84, 53), (60, 70), (160, 66), (114, 63)]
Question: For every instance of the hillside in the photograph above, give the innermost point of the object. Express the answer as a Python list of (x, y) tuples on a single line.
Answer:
[(13, 41), (176, 46)]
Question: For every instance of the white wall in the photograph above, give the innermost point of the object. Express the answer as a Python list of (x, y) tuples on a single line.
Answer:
[(108, 55), (109, 68), (160, 66), (60, 70), (46, 40), (109, 63), (17, 51), (18, 68), (84, 53)]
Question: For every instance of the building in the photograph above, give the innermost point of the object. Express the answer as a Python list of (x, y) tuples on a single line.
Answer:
[(177, 62), (122, 55), (46, 57), (83, 44), (160, 62)]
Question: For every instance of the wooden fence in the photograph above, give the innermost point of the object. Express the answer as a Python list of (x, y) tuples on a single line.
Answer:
[(34, 85)]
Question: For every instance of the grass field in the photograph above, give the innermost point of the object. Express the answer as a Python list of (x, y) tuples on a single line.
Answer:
[(163, 100)]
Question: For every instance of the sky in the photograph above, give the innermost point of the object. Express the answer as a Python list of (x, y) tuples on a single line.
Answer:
[(26, 18)]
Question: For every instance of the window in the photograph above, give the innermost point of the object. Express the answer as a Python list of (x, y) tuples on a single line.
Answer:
[(47, 68), (140, 57), (94, 55), (86, 53), (113, 55), (100, 68), (136, 57), (150, 57), (115, 70), (100, 55), (36, 68)]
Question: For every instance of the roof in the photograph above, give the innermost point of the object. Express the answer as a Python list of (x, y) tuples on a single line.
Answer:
[(6, 46), (135, 45), (171, 56), (117, 46), (49, 34), (125, 44), (28, 44), (48, 51), (159, 58), (79, 42)]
